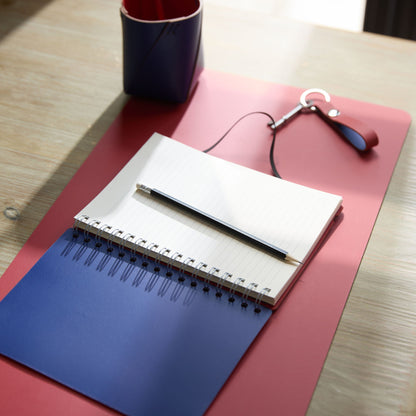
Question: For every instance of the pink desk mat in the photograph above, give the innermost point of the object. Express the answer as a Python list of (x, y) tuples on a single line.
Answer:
[(279, 372)]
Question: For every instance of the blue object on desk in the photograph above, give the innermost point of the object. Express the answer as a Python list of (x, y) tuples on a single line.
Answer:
[(162, 59), (132, 336)]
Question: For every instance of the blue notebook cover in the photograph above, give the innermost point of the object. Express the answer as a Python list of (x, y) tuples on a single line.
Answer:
[(125, 330)]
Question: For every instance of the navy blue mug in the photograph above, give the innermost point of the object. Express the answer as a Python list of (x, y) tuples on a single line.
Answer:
[(162, 49)]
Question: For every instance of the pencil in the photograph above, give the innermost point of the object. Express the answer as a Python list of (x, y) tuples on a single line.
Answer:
[(221, 225)]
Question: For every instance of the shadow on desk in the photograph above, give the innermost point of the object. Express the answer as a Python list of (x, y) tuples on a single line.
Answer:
[(91, 164), (24, 220), (14, 13)]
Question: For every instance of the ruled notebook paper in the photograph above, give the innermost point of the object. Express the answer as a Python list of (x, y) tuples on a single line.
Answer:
[(290, 216)]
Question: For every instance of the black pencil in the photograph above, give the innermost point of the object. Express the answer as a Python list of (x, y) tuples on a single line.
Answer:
[(221, 225)]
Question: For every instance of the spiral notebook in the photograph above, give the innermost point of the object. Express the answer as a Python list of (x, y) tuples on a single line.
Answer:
[(287, 215), (109, 310)]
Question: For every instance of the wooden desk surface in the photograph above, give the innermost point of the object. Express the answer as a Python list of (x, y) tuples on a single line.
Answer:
[(61, 87)]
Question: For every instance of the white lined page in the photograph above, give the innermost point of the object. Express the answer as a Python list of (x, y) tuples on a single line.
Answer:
[(284, 214)]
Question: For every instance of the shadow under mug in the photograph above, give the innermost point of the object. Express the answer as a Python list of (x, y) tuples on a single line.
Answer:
[(162, 50)]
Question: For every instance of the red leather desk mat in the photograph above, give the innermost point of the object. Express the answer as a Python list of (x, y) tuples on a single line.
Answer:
[(279, 373)]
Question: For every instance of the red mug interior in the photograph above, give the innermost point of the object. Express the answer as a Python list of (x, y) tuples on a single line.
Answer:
[(160, 9)]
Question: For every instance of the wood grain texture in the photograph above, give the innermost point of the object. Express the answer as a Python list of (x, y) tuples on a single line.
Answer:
[(61, 87)]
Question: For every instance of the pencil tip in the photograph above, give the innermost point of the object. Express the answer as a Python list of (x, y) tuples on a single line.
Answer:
[(291, 259)]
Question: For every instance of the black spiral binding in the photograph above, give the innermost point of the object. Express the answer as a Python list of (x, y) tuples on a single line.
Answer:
[(122, 255)]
